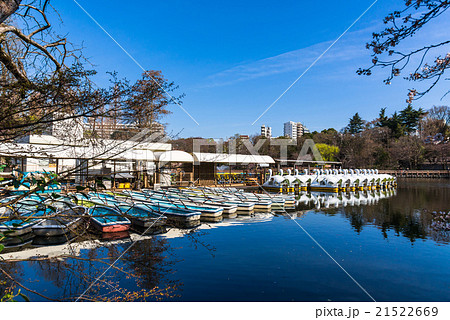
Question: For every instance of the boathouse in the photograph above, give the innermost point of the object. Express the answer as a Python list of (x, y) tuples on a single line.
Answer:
[(127, 164)]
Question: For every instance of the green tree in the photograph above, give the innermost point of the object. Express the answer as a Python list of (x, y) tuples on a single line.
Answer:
[(329, 131), (410, 118), (396, 126), (356, 124), (383, 120)]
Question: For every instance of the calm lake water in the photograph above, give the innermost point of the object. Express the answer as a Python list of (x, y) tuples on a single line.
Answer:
[(388, 247)]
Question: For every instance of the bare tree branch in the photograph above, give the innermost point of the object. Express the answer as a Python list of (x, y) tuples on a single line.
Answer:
[(404, 24)]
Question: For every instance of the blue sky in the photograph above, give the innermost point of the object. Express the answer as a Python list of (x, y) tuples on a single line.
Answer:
[(233, 59)]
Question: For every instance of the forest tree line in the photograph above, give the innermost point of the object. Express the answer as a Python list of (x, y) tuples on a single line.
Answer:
[(409, 139)]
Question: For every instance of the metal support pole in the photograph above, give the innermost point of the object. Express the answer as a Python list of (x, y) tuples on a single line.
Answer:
[(114, 175)]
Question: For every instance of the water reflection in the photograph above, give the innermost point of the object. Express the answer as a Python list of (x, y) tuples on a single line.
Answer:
[(325, 200), (440, 227), (153, 268), (142, 273), (412, 211), (145, 272)]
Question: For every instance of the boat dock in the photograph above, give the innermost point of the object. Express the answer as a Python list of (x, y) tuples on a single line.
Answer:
[(431, 174)]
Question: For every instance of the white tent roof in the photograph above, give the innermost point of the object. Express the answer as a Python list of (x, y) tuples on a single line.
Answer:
[(31, 151), (211, 157), (135, 154), (124, 151), (67, 152), (232, 158), (52, 141), (174, 156), (40, 139)]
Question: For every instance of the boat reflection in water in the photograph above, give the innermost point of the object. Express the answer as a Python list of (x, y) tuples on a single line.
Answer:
[(39, 241), (112, 236), (325, 200), (382, 232)]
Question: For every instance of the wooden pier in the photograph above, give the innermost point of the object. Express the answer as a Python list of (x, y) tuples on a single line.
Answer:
[(431, 174)]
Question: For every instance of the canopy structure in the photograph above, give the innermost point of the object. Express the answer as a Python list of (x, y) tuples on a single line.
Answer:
[(232, 158), (110, 152), (211, 157), (173, 156), (135, 154), (26, 150)]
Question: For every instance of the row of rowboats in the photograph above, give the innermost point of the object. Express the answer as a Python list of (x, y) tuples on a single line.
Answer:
[(55, 215)]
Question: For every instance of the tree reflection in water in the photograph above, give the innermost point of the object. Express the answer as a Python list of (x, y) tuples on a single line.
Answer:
[(146, 271), (152, 261), (145, 268), (9, 272), (409, 213)]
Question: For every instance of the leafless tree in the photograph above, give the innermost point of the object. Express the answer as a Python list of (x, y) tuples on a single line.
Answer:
[(42, 75), (43, 81)]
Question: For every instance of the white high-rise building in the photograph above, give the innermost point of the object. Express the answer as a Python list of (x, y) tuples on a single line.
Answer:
[(266, 131), (290, 130), (294, 130)]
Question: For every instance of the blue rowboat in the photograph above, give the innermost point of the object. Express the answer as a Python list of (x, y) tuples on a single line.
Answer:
[(243, 207), (142, 216), (107, 219), (179, 198), (18, 218), (139, 216), (101, 195), (180, 217), (206, 212), (27, 183), (36, 197), (71, 217), (3, 204)]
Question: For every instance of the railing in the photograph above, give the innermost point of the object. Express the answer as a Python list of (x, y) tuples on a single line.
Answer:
[(436, 174)]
